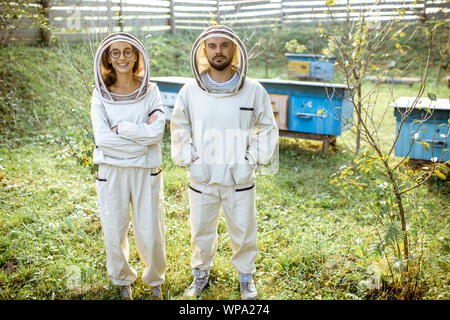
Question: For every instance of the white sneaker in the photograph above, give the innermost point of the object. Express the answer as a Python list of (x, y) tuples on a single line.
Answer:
[(248, 290), (199, 283), (156, 293), (126, 292)]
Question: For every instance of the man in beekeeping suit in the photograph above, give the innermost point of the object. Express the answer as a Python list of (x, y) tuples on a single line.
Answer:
[(222, 128)]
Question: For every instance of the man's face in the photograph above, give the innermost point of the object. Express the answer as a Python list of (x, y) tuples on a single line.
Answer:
[(219, 52)]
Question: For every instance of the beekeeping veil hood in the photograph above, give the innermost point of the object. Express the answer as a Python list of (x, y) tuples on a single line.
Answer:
[(141, 71), (200, 64)]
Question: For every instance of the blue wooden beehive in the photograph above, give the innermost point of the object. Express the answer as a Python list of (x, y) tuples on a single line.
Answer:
[(310, 110), (315, 108), (310, 66), (418, 139)]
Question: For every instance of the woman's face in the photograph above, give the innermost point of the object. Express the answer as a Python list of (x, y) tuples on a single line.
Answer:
[(122, 57)]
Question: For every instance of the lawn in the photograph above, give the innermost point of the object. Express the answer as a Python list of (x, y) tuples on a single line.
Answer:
[(315, 240)]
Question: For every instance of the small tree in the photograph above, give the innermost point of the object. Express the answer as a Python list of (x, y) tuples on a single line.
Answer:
[(380, 178)]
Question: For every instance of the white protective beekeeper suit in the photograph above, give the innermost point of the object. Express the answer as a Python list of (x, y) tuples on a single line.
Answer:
[(129, 169), (222, 137)]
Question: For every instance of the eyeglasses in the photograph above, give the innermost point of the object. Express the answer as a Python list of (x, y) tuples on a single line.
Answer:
[(116, 53)]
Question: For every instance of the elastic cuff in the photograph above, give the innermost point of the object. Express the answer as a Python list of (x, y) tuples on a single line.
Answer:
[(250, 159), (122, 283), (200, 273), (245, 277), (195, 157), (120, 124), (155, 284)]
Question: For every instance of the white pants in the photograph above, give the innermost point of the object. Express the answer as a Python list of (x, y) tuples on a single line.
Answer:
[(238, 204), (143, 188)]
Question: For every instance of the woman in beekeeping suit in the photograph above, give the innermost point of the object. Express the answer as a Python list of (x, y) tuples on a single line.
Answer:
[(222, 128), (128, 124)]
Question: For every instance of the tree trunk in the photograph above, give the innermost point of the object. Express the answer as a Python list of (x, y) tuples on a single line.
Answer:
[(46, 34), (401, 212), (358, 108)]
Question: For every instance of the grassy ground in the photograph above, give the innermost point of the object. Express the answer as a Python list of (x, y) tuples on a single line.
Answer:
[(313, 238), (309, 237)]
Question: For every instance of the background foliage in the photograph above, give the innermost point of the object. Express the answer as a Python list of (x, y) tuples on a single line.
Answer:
[(316, 240)]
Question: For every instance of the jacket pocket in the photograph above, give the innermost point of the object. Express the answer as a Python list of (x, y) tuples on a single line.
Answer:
[(198, 172), (246, 117), (155, 172), (157, 195), (242, 173), (195, 190), (101, 185), (245, 189)]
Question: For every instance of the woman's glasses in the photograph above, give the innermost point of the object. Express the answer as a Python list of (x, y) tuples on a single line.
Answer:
[(116, 53)]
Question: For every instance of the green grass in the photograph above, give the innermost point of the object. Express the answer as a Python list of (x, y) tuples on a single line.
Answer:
[(314, 239), (309, 240)]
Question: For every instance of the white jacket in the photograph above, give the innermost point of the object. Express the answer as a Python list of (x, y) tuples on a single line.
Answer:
[(222, 137), (136, 144)]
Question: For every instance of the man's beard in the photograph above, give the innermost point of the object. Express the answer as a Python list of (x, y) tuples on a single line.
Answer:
[(220, 67)]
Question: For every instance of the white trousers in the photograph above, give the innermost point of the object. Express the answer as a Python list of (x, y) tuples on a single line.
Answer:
[(143, 188), (238, 203)]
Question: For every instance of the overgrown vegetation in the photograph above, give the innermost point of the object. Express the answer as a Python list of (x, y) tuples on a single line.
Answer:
[(381, 178), (20, 14), (316, 240)]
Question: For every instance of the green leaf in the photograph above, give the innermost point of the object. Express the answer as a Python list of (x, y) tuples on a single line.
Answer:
[(437, 25), (425, 145), (391, 232), (432, 96)]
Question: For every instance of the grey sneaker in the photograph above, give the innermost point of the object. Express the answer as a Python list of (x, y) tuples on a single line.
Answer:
[(248, 290), (156, 293), (199, 283), (126, 292)]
